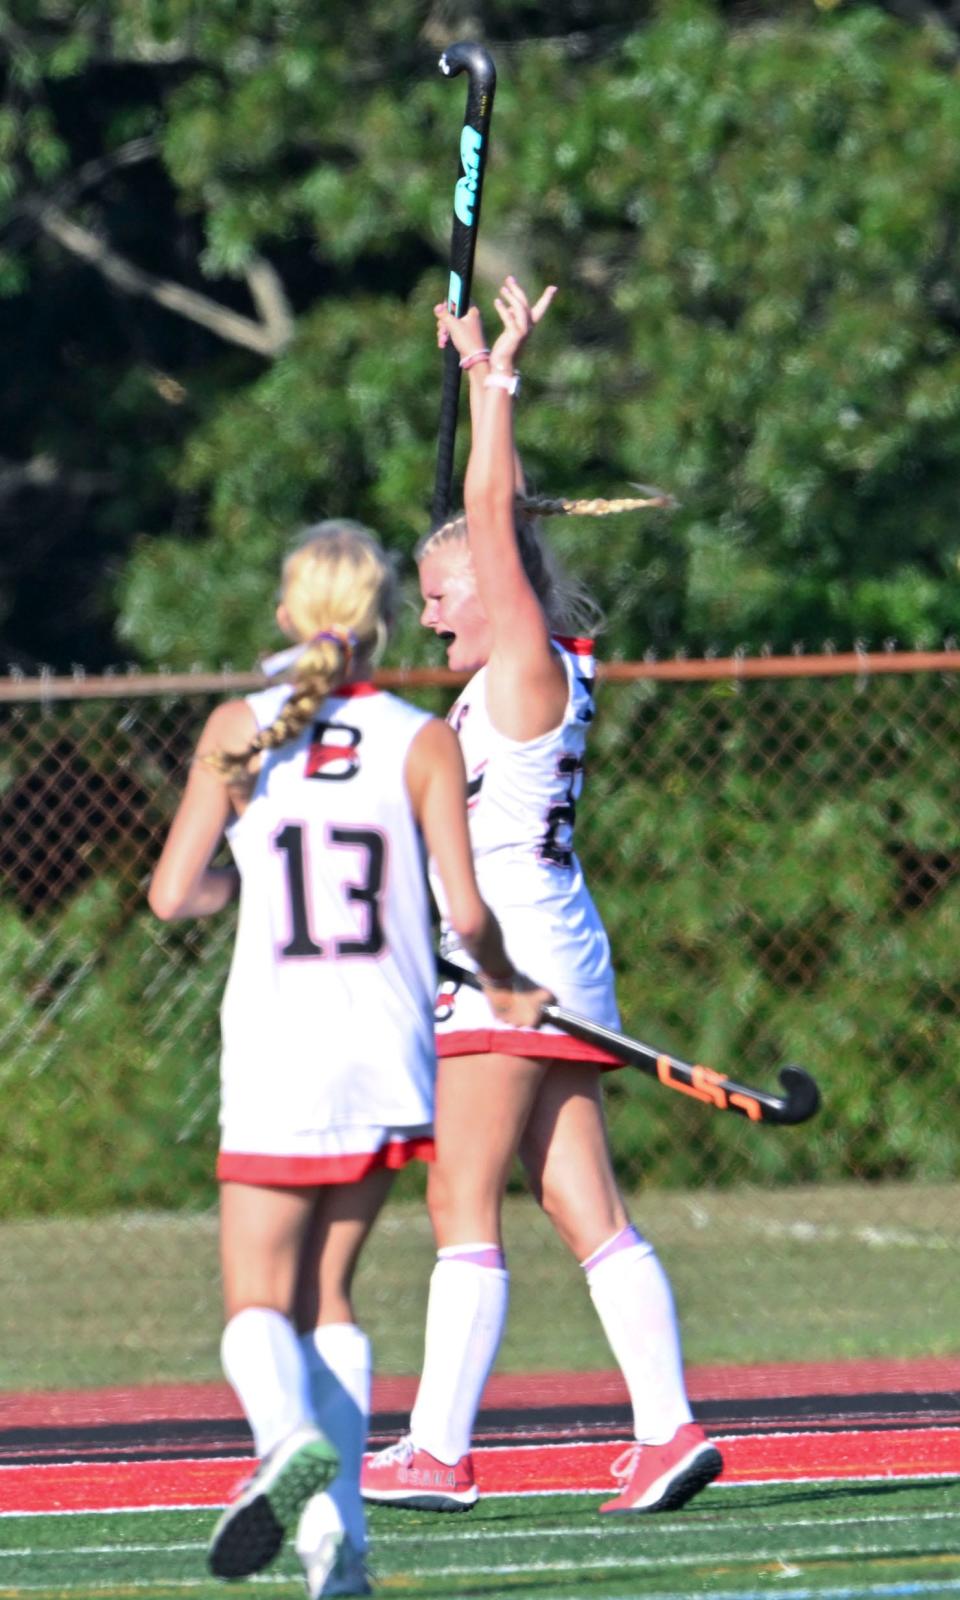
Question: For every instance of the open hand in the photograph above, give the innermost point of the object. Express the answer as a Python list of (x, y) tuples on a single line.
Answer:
[(519, 318), (516, 313)]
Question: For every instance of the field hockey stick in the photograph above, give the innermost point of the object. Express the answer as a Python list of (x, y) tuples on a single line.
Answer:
[(798, 1103), (474, 140)]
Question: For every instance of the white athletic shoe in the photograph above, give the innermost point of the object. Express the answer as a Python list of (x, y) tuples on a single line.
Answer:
[(334, 1567), (332, 1564), (251, 1530)]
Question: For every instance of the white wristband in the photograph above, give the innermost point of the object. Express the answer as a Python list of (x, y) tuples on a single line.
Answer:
[(503, 380)]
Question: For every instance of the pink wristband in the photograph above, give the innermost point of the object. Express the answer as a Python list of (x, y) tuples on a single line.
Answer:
[(466, 362)]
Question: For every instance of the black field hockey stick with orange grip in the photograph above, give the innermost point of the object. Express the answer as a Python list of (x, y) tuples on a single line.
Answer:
[(799, 1102), (477, 63)]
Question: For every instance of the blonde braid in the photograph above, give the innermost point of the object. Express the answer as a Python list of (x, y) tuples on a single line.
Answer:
[(567, 604), (321, 667), (545, 507), (652, 499), (339, 596)]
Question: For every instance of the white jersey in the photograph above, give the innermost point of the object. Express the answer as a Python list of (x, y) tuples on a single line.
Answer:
[(327, 1018), (522, 801)]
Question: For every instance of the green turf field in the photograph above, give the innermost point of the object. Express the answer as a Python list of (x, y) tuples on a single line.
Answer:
[(788, 1274), (849, 1540)]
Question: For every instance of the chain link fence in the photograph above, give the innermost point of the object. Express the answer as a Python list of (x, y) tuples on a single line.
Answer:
[(774, 845), (775, 852)]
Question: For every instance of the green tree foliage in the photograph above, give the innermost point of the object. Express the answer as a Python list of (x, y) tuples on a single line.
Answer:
[(776, 865), (223, 227)]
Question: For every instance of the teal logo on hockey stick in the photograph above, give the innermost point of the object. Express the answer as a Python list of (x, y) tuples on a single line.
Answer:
[(465, 194)]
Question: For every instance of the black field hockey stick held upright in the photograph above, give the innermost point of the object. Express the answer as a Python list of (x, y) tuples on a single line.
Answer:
[(799, 1102), (477, 63)]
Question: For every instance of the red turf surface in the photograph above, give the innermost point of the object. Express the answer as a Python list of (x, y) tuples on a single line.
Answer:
[(511, 1469), (799, 1453), (159, 1401)]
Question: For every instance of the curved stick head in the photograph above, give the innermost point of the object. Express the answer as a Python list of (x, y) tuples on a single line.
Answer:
[(801, 1096), (466, 56)]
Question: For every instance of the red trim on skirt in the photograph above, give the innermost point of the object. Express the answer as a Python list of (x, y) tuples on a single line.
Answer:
[(515, 1042), (241, 1166)]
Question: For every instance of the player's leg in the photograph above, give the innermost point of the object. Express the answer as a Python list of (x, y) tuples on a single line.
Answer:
[(332, 1537), (482, 1105), (566, 1154), (262, 1234), (262, 1231)]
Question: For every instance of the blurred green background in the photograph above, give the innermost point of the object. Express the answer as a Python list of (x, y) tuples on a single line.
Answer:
[(222, 228)]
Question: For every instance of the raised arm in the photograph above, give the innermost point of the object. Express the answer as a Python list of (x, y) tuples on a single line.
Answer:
[(526, 685), (477, 371)]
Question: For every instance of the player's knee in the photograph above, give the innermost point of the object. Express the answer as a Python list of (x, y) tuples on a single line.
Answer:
[(439, 1196), (461, 1210), (553, 1205), (580, 1220)]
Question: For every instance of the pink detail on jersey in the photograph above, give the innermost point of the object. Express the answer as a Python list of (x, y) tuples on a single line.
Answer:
[(624, 1240), (243, 1166), (576, 647), (324, 755), (475, 783), (347, 691), (491, 1256)]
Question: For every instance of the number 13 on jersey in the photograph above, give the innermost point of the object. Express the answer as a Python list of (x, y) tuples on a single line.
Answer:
[(366, 937)]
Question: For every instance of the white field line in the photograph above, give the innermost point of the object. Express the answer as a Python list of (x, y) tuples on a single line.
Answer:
[(867, 1591), (525, 1494), (536, 1446), (639, 1563), (623, 1562), (799, 1231), (870, 1591), (606, 1530)]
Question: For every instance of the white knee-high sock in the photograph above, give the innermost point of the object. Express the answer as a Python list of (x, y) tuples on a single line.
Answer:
[(466, 1311), (263, 1361), (635, 1305), (337, 1357)]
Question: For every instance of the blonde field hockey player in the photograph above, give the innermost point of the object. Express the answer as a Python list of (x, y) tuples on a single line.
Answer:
[(327, 790), (493, 596)]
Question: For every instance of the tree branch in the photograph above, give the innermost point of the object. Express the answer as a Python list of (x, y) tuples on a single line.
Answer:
[(126, 155), (266, 338), (270, 298)]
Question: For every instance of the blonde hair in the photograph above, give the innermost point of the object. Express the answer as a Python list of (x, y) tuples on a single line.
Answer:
[(567, 605), (339, 589)]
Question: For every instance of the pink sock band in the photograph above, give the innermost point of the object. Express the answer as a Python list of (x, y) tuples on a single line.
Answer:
[(626, 1239), (478, 1255)]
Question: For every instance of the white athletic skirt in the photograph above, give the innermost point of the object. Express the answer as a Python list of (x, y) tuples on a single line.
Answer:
[(467, 1027), (332, 1155)]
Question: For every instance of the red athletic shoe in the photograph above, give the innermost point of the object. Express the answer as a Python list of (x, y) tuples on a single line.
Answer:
[(663, 1477), (404, 1476)]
